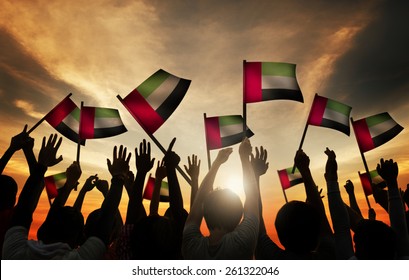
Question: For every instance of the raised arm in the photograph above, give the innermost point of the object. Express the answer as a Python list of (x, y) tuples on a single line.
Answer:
[(90, 183), (28, 199), (193, 170), (389, 170), (144, 164), (160, 174), (196, 212), (339, 214), (349, 187), (73, 174)]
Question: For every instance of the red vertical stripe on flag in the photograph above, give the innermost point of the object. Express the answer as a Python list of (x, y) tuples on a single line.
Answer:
[(285, 182), (317, 110), (142, 112), (150, 185), (59, 112), (252, 82), (87, 122), (366, 184), (213, 138), (363, 136), (50, 187)]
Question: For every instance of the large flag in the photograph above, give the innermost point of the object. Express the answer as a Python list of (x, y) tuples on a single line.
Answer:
[(65, 119), (164, 190), (371, 132), (375, 178), (98, 122), (153, 101), (288, 178), (223, 131), (53, 183), (329, 113), (270, 81)]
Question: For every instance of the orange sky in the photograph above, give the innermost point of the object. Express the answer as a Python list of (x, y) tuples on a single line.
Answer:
[(355, 53)]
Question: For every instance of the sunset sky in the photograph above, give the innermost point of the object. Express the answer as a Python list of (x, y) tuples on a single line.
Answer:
[(355, 52)]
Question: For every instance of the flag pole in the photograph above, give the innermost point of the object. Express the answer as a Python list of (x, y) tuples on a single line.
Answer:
[(43, 118), (158, 144), (244, 104), (365, 164), (285, 196), (79, 143), (209, 161), (366, 197)]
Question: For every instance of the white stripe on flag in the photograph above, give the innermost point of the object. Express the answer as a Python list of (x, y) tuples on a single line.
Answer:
[(294, 176), (72, 123), (279, 82), (107, 122), (336, 116), (159, 95), (381, 127), (231, 129)]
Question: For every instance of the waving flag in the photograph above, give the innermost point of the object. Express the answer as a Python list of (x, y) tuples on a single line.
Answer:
[(53, 183), (152, 102), (98, 122), (289, 179), (372, 132), (330, 113), (65, 119), (270, 81), (225, 131), (164, 190), (375, 178)]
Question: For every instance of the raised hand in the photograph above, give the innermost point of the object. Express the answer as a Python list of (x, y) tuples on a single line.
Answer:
[(129, 181), (21, 140), (331, 166), (349, 187), (160, 172), (259, 162), (245, 148), (302, 161), (193, 167), (102, 186), (120, 163), (48, 152), (223, 155), (171, 159), (90, 183), (143, 160), (388, 170), (73, 174)]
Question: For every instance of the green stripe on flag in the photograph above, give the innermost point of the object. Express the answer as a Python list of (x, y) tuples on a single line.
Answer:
[(76, 114), (278, 69), (230, 120), (374, 120), (106, 113), (153, 82), (59, 176), (339, 107)]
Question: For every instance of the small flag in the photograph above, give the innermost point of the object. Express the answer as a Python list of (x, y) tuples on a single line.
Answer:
[(372, 132), (270, 81), (224, 131), (329, 113), (288, 179), (65, 119), (153, 101), (375, 178), (53, 183), (98, 122), (164, 190)]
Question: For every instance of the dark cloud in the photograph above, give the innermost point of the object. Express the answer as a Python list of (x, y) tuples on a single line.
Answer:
[(373, 74), (23, 78)]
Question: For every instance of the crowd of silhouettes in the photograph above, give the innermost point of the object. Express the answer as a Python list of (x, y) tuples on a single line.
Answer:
[(236, 229)]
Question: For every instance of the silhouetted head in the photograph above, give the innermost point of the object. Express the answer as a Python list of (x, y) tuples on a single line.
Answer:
[(374, 240), (63, 224), (92, 223), (8, 192), (222, 209), (298, 227), (153, 239)]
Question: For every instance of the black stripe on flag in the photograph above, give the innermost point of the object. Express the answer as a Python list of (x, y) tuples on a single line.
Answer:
[(109, 131), (387, 135), (235, 138), (296, 182), (173, 100), (273, 94), (69, 133), (336, 125)]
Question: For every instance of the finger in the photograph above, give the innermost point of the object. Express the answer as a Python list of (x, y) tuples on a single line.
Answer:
[(149, 148), (59, 159), (128, 158), (109, 163), (25, 129), (58, 143), (43, 143), (171, 144), (123, 155), (189, 162), (198, 165), (114, 153)]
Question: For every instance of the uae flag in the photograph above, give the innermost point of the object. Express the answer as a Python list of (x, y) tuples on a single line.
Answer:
[(223, 131), (270, 81), (289, 179), (375, 178), (152, 102), (53, 183), (330, 113), (371, 132), (98, 122), (65, 118), (164, 190)]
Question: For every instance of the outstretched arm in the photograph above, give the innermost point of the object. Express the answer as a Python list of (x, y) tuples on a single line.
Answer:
[(196, 212), (73, 175), (160, 174), (349, 187), (339, 214), (193, 170), (88, 186), (28, 199), (388, 170)]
